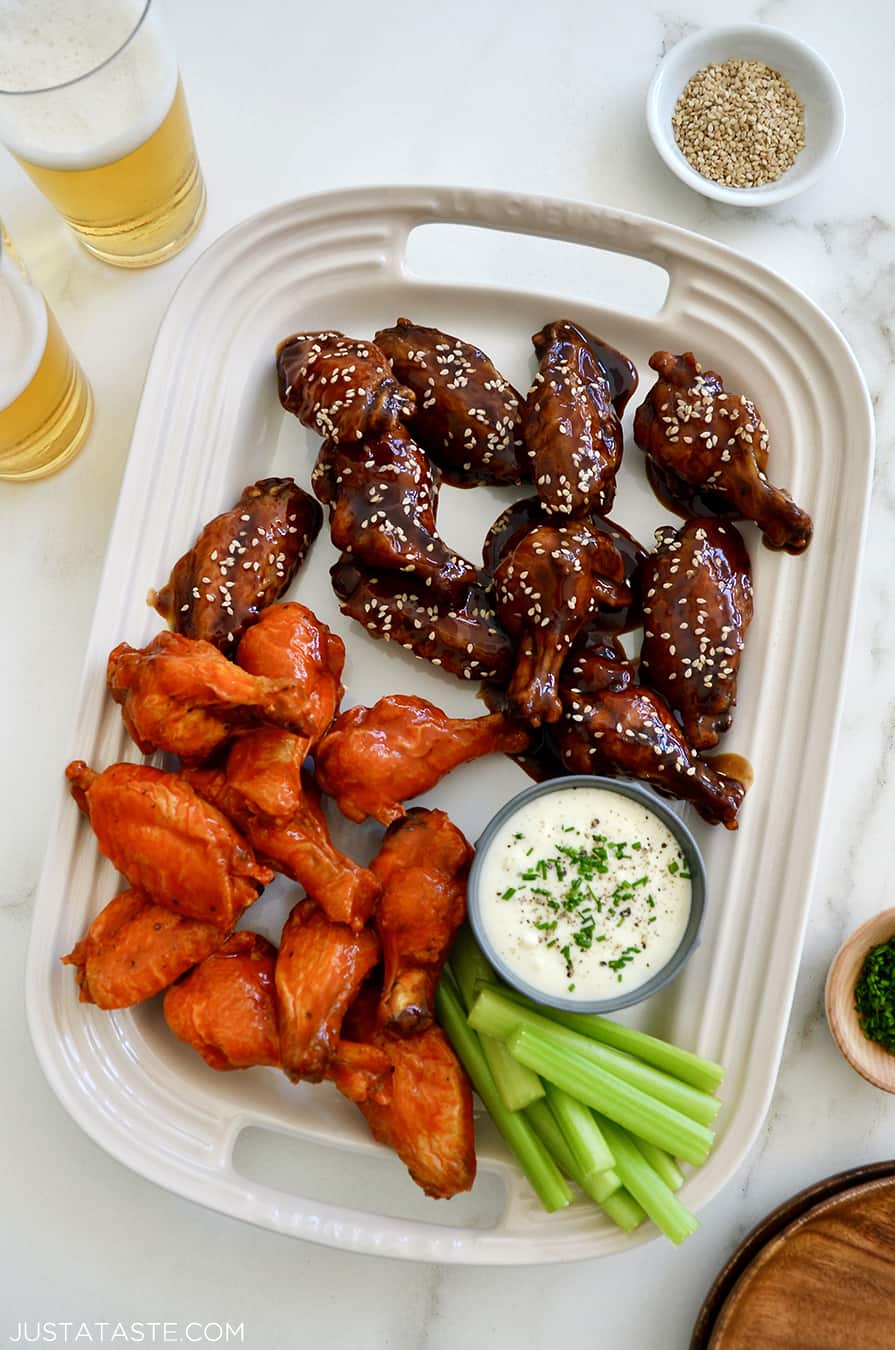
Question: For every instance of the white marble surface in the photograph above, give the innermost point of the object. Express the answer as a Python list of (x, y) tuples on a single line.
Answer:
[(288, 98)]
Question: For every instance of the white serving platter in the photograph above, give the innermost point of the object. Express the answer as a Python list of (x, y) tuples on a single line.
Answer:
[(300, 1160)]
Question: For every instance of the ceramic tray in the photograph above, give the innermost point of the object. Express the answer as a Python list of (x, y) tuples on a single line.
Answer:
[(300, 1160)]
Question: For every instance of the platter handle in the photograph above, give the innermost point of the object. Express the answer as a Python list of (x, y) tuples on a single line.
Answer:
[(545, 217)]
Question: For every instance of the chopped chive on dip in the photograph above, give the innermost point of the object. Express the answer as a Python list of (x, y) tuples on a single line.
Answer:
[(875, 995)]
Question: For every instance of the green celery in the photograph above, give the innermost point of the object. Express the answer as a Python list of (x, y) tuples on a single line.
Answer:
[(518, 1086), (540, 1169), (494, 1014), (647, 1187), (662, 1163), (623, 1210), (700, 1073), (581, 1132), (599, 1185), (469, 965), (635, 1110)]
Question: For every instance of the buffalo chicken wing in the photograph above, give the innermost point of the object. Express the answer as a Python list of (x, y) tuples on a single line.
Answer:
[(422, 868), (264, 773), (373, 759), (168, 841), (134, 948), (300, 848), (289, 642), (226, 1008), (319, 971), (428, 1120), (181, 695)]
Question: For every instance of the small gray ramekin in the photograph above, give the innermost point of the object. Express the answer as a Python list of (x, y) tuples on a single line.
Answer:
[(689, 942)]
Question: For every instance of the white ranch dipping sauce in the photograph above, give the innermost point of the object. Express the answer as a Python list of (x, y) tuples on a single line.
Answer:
[(584, 893)]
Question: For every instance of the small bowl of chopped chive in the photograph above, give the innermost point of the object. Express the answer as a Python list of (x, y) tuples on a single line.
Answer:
[(860, 1000), (745, 114)]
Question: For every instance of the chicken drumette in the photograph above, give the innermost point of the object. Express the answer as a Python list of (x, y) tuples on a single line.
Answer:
[(596, 662), (429, 1119), (548, 587), (464, 639), (289, 642), (467, 414), (341, 387), (241, 562), (697, 606), (522, 516), (320, 969), (181, 695), (373, 759), (694, 431), (631, 733), (382, 493), (168, 841), (134, 948), (571, 425), (263, 771), (226, 1008), (299, 847), (422, 868)]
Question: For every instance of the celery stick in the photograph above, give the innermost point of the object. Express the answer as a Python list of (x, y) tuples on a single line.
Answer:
[(662, 1163), (647, 1187), (540, 1169), (700, 1073), (628, 1106), (468, 965), (623, 1210), (493, 1014), (599, 1185), (543, 1122), (518, 1086), (581, 1132)]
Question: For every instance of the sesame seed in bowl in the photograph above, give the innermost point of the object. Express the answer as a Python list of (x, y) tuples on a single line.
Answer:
[(745, 114)]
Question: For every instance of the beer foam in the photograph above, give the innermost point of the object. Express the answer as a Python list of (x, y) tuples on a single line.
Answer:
[(23, 323), (46, 44)]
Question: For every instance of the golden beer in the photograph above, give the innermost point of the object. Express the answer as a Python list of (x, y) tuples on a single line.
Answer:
[(137, 210), (46, 425), (92, 107), (45, 402)]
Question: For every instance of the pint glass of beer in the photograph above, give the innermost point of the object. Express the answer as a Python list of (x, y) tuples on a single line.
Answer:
[(45, 401), (92, 107)]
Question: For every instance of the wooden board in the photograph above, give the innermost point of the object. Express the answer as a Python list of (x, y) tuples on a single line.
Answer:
[(826, 1282), (769, 1227)]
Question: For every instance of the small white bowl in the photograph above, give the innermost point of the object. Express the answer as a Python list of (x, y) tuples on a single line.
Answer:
[(809, 75)]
